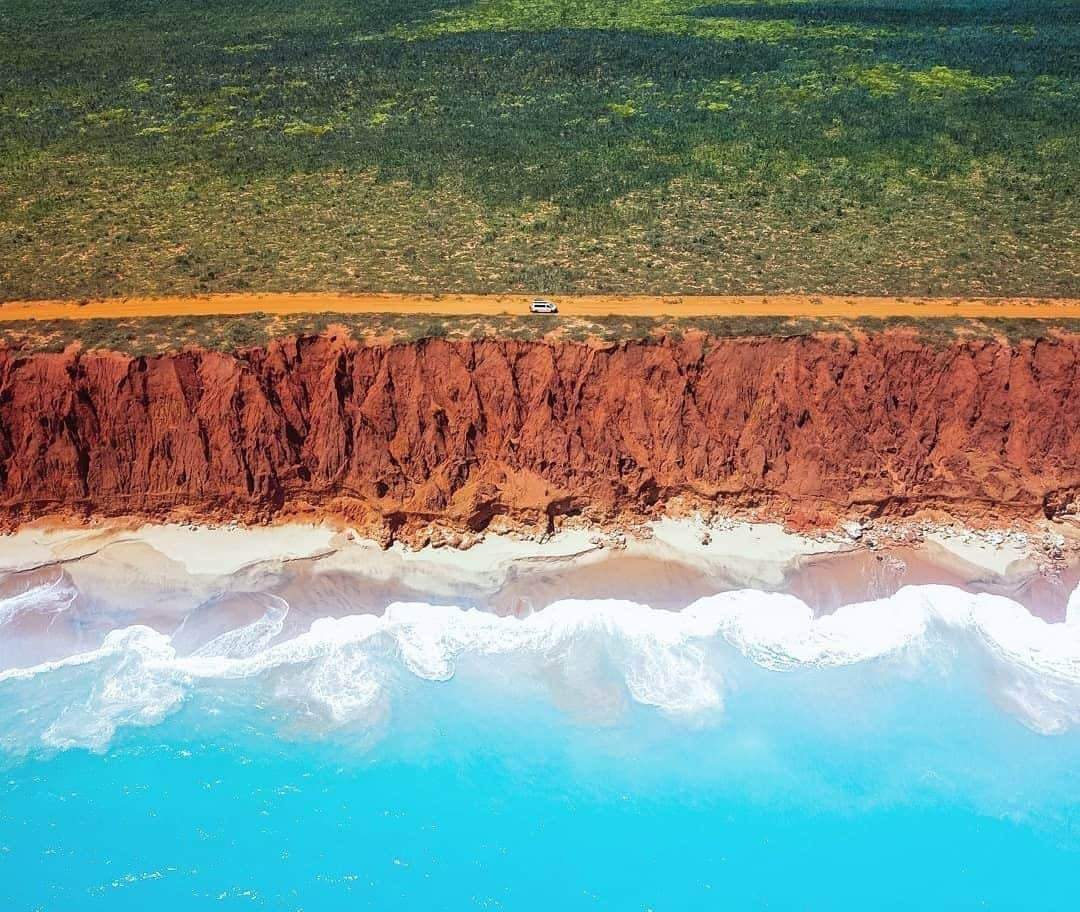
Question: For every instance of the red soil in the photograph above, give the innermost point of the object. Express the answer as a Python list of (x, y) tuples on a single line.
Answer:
[(391, 438)]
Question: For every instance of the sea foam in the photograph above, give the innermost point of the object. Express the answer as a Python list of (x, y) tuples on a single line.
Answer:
[(345, 671), (51, 597)]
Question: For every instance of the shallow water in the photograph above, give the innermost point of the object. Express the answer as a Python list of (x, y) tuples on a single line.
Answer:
[(920, 751)]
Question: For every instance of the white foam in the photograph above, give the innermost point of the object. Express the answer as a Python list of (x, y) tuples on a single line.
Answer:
[(45, 598), (345, 670), (120, 683), (251, 639)]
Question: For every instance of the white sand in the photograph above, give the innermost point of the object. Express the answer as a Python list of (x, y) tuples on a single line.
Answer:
[(188, 559), (992, 552), (196, 582), (33, 547), (497, 551), (191, 563), (203, 550), (221, 550), (754, 554), (767, 542)]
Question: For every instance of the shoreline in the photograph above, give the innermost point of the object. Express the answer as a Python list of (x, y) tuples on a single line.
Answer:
[(667, 563)]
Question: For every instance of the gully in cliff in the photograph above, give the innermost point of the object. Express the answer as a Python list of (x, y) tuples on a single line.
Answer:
[(808, 430)]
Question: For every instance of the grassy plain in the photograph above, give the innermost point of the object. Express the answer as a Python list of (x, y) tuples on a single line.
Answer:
[(894, 147)]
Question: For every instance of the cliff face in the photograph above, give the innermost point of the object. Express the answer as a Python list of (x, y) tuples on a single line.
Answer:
[(808, 429)]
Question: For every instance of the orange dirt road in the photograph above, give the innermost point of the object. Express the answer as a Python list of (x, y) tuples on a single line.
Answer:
[(571, 305)]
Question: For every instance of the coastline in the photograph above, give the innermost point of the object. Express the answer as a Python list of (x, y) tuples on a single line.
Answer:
[(332, 625), (171, 569), (429, 440)]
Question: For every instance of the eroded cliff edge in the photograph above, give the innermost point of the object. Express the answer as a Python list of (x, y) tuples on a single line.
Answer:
[(392, 438)]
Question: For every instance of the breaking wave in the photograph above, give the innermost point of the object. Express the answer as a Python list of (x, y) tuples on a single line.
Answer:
[(49, 598), (345, 671)]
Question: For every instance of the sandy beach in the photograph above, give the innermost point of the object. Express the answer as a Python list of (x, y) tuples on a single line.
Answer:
[(190, 581)]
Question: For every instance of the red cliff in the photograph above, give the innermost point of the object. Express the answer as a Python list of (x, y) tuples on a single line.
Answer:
[(392, 437)]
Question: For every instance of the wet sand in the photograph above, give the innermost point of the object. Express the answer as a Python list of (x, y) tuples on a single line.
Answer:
[(194, 583)]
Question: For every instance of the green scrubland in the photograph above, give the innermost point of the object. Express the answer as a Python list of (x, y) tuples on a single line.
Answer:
[(671, 146)]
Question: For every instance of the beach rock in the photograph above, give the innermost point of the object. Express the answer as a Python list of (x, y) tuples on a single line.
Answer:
[(853, 530), (391, 438)]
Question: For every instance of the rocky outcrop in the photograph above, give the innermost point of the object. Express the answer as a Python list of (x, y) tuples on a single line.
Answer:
[(810, 429)]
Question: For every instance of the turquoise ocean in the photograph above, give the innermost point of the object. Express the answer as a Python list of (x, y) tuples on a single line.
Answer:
[(915, 752)]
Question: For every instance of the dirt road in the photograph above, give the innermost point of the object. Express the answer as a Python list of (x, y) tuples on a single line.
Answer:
[(585, 305)]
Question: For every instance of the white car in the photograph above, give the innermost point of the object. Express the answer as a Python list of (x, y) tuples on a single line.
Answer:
[(543, 306)]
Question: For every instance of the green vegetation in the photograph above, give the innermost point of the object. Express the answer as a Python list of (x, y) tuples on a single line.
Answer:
[(910, 147), (159, 335)]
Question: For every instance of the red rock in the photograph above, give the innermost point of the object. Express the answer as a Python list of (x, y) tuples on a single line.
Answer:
[(396, 437)]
